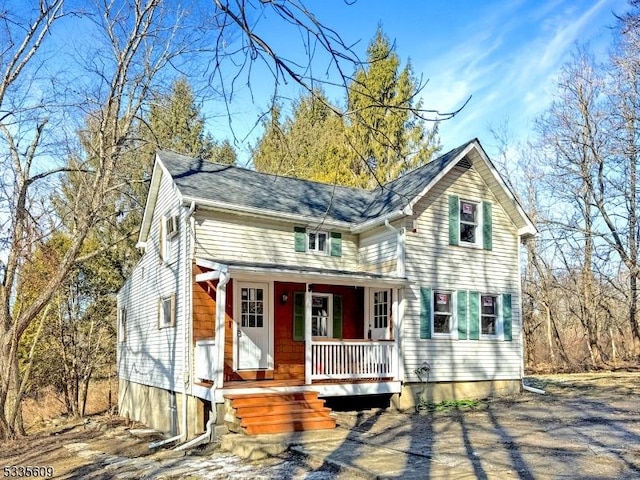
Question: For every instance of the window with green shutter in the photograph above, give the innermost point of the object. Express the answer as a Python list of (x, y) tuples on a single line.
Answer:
[(337, 316), (454, 220), (300, 239), (462, 315), (336, 244), (298, 316), (425, 312), (507, 317), (474, 315), (487, 242), (470, 223)]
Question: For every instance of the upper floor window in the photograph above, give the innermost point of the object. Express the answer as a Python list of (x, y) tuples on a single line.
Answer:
[(168, 231), (317, 242), (470, 222)]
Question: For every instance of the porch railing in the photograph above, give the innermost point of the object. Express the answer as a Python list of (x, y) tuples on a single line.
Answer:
[(352, 359)]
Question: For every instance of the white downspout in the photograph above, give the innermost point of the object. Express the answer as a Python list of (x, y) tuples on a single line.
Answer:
[(206, 436)]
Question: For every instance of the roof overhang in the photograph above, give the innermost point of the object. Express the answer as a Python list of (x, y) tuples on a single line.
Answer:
[(159, 170), (303, 275), (264, 213), (525, 225)]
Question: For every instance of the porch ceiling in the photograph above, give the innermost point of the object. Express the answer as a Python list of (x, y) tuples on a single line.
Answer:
[(304, 274)]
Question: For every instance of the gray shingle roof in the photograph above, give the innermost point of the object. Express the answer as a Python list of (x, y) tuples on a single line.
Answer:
[(242, 187)]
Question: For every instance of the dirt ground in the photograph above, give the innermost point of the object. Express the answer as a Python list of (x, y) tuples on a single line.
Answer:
[(586, 426)]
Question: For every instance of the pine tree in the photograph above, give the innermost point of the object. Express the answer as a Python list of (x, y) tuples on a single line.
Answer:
[(388, 139), (378, 140)]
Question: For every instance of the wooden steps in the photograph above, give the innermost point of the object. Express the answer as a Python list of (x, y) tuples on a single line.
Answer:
[(265, 413)]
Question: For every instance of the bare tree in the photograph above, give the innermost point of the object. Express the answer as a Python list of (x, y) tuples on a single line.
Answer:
[(141, 42)]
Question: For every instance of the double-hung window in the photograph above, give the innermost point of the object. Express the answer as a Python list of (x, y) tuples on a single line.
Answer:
[(442, 312), (465, 315), (168, 230), (469, 221), (317, 242), (167, 311), (489, 315)]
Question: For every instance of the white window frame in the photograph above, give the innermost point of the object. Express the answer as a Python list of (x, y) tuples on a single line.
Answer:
[(453, 326), (314, 249), (478, 224), (122, 324), (168, 231), (329, 298), (385, 315), (164, 302), (499, 335)]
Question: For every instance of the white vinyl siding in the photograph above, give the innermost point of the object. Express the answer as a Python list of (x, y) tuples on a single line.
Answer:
[(432, 262), (378, 250), (151, 355), (226, 237)]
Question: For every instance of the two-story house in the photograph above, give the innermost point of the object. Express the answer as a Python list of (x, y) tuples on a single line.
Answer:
[(268, 291)]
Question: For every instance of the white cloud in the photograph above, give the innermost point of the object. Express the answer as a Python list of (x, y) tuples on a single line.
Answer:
[(508, 62)]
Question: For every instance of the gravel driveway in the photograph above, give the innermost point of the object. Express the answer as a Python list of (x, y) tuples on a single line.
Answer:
[(587, 426)]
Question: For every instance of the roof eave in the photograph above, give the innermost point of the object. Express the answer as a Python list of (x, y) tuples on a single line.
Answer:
[(150, 203), (264, 213), (434, 181), (377, 221)]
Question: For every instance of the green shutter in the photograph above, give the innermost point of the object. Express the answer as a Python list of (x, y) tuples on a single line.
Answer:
[(298, 316), (462, 315), (486, 226), (425, 312), (506, 316), (474, 315), (336, 244), (454, 220), (337, 316), (300, 234)]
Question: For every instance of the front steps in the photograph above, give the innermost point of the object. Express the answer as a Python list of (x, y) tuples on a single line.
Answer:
[(268, 413)]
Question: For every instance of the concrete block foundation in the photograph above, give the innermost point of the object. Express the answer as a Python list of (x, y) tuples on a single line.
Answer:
[(436, 392), (162, 409)]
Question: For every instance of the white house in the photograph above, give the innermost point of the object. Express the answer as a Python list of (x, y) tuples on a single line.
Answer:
[(254, 284)]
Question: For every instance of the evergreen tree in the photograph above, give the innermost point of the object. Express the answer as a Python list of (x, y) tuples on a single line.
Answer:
[(176, 123), (311, 144), (387, 137), (378, 140)]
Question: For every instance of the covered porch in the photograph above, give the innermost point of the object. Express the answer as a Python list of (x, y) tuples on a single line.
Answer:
[(285, 329)]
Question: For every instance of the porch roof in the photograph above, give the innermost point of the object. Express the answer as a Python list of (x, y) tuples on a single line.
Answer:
[(303, 274)]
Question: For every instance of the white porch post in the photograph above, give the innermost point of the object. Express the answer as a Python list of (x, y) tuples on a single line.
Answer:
[(221, 302), (398, 334), (395, 314), (308, 354)]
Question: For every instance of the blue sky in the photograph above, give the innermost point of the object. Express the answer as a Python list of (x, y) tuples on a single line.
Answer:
[(504, 54)]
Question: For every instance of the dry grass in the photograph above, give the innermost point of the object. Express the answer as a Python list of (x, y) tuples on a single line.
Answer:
[(47, 406)]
